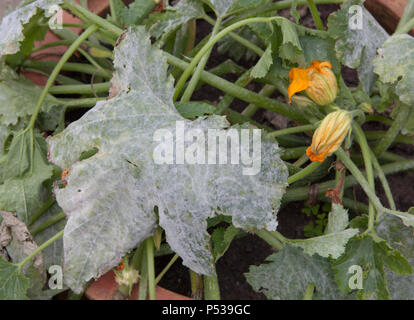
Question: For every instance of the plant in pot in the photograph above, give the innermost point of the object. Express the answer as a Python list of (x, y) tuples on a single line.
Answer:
[(114, 161)]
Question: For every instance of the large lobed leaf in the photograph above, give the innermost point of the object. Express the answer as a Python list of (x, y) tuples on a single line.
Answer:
[(372, 254), (395, 65), (12, 25), (357, 48), (110, 197), (401, 238), (289, 272)]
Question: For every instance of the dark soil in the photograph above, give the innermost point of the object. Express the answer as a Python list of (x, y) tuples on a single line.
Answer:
[(251, 250)]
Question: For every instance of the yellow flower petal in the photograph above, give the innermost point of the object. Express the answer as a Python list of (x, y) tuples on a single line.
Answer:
[(299, 81)]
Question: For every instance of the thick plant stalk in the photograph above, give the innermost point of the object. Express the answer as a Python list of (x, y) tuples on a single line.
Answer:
[(398, 123), (200, 67), (315, 14), (211, 288), (304, 172), (149, 246), (251, 109), (366, 155)]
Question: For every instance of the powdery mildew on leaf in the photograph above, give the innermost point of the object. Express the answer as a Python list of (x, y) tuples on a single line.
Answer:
[(289, 272), (357, 47), (400, 237), (110, 197), (174, 17), (329, 245), (12, 25), (395, 65), (338, 219)]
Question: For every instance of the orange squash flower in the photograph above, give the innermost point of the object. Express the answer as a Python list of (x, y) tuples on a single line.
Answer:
[(317, 80), (329, 135)]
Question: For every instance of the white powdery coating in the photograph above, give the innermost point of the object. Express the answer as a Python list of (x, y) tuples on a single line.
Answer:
[(395, 62), (12, 25), (110, 197)]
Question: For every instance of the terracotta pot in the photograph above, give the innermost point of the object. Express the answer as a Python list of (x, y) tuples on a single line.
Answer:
[(105, 288), (387, 12)]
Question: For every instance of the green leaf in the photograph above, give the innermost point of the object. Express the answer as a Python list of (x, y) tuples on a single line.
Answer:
[(194, 109), (395, 65), (400, 238), (357, 48), (12, 26), (161, 24), (290, 48), (338, 219), (18, 99), (13, 285), (221, 239), (52, 254), (24, 173), (289, 272), (371, 255), (110, 197), (222, 7), (136, 12), (329, 245), (263, 65)]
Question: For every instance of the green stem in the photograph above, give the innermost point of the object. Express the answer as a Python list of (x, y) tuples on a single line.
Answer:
[(200, 67), (187, 72), (167, 267), (407, 15), (302, 160), (301, 193), (278, 133), (226, 101), (366, 155), (310, 288), (93, 62), (69, 66), (239, 39), (251, 109), (304, 172), (151, 269), (315, 15), (406, 27), (398, 123), (196, 281), (211, 288), (384, 181), (113, 10), (366, 187), (46, 205), (80, 88), (75, 45), (56, 218), (39, 249), (77, 9), (270, 239)]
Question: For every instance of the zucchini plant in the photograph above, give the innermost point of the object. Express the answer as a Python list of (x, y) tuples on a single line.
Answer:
[(140, 173)]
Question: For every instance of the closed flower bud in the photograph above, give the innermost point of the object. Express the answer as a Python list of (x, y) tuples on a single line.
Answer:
[(366, 108), (318, 81), (329, 135)]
